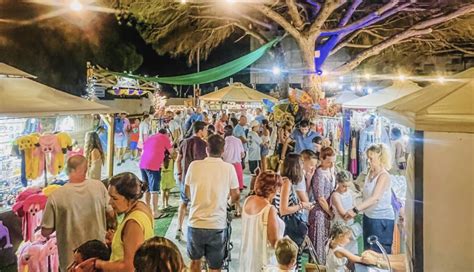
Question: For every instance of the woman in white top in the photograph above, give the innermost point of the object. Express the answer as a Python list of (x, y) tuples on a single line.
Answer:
[(94, 155), (379, 217), (261, 226), (341, 201), (254, 142), (143, 130)]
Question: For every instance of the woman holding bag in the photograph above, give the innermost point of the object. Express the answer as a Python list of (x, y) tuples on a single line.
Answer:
[(261, 226), (287, 203)]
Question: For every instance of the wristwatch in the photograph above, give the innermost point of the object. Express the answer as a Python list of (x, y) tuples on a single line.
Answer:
[(355, 210)]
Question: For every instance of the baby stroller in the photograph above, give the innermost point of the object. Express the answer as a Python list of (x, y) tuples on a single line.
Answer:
[(316, 266), (228, 243)]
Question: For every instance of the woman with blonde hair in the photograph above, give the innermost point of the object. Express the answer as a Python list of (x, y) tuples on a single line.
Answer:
[(379, 216)]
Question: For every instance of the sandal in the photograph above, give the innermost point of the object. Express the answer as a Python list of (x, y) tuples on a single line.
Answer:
[(160, 216)]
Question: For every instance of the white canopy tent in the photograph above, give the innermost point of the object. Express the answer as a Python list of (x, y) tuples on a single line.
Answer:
[(236, 92), (441, 183), (10, 71), (23, 97), (345, 97), (384, 96), (447, 107)]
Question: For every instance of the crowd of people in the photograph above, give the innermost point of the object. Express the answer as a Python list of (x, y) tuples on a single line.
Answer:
[(300, 202)]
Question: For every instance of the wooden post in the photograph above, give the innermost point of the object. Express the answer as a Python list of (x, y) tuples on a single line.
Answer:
[(110, 122)]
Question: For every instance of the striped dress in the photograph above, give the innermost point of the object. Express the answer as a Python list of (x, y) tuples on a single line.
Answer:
[(293, 201)]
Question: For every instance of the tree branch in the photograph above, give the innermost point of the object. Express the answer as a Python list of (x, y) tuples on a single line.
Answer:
[(376, 49), (368, 20), (326, 11), (294, 14), (259, 37), (277, 18), (349, 12)]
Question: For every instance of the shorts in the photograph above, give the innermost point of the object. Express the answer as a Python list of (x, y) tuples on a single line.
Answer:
[(182, 190), (120, 140), (133, 145), (153, 178), (208, 243)]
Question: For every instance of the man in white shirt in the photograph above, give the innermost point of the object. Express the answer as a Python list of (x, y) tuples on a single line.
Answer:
[(208, 192)]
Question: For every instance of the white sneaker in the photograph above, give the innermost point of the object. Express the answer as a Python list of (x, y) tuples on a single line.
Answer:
[(179, 235)]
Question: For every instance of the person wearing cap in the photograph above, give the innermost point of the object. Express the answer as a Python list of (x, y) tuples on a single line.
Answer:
[(254, 142)]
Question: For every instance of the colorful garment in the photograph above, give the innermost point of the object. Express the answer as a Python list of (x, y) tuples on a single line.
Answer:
[(319, 221), (167, 176)]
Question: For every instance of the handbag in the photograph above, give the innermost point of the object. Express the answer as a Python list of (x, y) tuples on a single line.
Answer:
[(295, 227)]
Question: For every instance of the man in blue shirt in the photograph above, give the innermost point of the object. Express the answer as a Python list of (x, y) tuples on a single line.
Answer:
[(303, 137), (259, 115), (239, 132), (195, 116)]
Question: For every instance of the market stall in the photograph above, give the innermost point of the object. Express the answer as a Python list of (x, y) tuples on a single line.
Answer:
[(28, 110), (234, 97), (440, 174), (363, 126)]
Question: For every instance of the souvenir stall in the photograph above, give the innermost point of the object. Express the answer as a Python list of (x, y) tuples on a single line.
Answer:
[(235, 97), (33, 150), (362, 126), (439, 201)]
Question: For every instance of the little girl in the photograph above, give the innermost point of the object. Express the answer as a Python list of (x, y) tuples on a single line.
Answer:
[(337, 257), (167, 177), (341, 201)]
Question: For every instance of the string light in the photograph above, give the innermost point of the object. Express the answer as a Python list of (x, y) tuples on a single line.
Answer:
[(359, 88), (75, 6), (276, 70), (369, 90), (367, 76), (402, 77), (183, 1), (441, 80)]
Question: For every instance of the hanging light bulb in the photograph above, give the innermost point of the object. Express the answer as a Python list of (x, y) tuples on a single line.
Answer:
[(402, 77), (76, 6), (276, 70), (441, 79), (369, 90)]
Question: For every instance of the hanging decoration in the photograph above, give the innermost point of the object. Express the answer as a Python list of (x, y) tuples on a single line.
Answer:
[(210, 75)]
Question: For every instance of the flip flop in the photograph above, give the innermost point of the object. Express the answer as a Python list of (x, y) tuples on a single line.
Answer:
[(160, 216)]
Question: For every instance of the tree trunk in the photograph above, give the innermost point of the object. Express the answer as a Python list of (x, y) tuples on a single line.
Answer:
[(312, 82), (283, 78)]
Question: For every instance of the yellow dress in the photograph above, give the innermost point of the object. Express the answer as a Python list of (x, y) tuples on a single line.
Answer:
[(145, 224)]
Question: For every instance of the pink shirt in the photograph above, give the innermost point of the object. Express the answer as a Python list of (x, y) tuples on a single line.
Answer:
[(233, 150), (154, 151)]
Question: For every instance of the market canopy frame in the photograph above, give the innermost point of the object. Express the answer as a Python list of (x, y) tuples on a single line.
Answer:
[(440, 107), (236, 92), (372, 101), (7, 71)]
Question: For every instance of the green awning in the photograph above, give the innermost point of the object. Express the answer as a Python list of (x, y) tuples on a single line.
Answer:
[(212, 74)]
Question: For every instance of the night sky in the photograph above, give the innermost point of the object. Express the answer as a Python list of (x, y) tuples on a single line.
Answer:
[(56, 50)]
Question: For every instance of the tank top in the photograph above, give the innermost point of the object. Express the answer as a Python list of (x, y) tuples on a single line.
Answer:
[(347, 203), (145, 224), (383, 208), (256, 252)]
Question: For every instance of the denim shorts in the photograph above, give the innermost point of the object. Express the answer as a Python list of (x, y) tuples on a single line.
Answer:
[(153, 178), (383, 229), (182, 192), (208, 243)]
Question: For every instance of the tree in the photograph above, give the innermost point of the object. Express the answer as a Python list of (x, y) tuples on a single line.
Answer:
[(56, 50), (319, 27)]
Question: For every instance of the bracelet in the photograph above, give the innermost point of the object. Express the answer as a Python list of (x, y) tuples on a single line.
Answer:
[(355, 210)]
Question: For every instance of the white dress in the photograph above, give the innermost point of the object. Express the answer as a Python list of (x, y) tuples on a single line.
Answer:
[(333, 263), (256, 252)]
